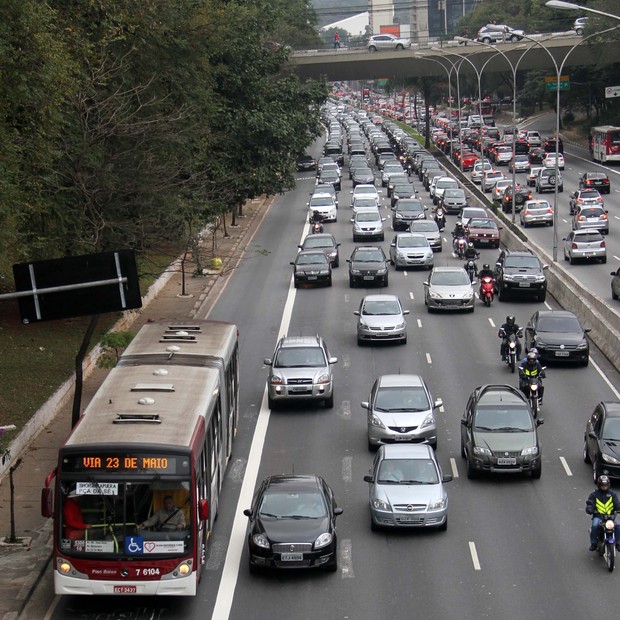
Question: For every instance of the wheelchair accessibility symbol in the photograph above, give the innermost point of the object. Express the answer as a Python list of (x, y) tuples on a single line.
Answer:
[(134, 545)]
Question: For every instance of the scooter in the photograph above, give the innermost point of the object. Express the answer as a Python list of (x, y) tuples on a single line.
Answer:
[(440, 218), (606, 543), (472, 269), (513, 348), (460, 245), (487, 290)]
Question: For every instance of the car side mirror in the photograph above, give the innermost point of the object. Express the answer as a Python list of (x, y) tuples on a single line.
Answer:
[(248, 513), (539, 422), (463, 422), (438, 403), (356, 312), (268, 361), (446, 478), (425, 283), (591, 435), (587, 330), (406, 311), (333, 360), (545, 267), (368, 479), (365, 404)]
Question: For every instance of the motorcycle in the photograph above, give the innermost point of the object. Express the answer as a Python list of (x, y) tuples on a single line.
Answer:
[(440, 219), (513, 348), (317, 227), (472, 269), (606, 543), (460, 245), (533, 393), (487, 290)]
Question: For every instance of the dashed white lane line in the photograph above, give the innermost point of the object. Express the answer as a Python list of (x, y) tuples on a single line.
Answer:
[(419, 322), (428, 358), (492, 322), (474, 555), (565, 466), (346, 361), (347, 469), (346, 409), (346, 558), (454, 468), (411, 295)]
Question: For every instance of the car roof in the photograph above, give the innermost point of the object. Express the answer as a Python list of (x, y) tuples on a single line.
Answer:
[(492, 394), (612, 408), (446, 268), (295, 481), (299, 341), (408, 451), (558, 313), (381, 297), (400, 380)]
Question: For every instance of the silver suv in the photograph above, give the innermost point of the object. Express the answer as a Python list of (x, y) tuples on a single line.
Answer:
[(545, 181), (301, 369)]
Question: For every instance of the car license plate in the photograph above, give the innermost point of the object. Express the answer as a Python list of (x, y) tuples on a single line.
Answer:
[(561, 353), (524, 284), (298, 389), (505, 461), (409, 519), (369, 277), (125, 589), (402, 438), (292, 557), (312, 277)]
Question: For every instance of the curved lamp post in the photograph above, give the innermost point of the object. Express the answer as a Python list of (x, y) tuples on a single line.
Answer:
[(560, 4)]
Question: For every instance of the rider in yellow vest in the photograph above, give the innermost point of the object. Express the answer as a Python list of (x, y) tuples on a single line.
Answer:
[(602, 502)]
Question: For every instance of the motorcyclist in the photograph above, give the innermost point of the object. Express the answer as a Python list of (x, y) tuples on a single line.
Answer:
[(507, 328), (602, 501), (459, 230), (471, 252), (317, 219), (486, 271), (531, 367), (440, 216)]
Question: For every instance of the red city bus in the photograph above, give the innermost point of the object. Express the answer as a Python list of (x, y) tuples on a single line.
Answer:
[(605, 143), (160, 428)]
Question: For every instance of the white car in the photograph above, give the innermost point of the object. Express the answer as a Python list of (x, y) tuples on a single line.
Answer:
[(411, 250), (325, 205), (549, 161), (441, 185), (479, 169), (367, 191), (497, 192), (533, 138), (489, 179), (449, 288)]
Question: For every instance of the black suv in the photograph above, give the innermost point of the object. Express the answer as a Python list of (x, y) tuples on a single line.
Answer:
[(520, 272), (499, 434), (522, 195)]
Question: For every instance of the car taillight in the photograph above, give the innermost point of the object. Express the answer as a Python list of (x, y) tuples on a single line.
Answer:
[(604, 216), (573, 246), (602, 244), (526, 212), (580, 218), (549, 210)]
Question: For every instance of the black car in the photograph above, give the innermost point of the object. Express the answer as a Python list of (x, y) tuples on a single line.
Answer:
[(363, 176), (601, 441), (401, 191), (536, 155), (549, 146), (520, 272), (595, 180), (326, 242), (306, 162), (293, 524), (330, 177), (499, 433), (615, 284), (368, 265), (312, 267), (522, 195), (558, 336)]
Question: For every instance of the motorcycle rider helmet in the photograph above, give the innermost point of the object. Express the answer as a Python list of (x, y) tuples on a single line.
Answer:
[(486, 267), (534, 350), (510, 320), (603, 481), (470, 245), (531, 357)]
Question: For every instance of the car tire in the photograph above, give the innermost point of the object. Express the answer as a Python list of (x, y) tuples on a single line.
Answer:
[(487, 40), (463, 454), (404, 340), (565, 257), (329, 402), (536, 473), (333, 567), (595, 472), (613, 294), (603, 260), (372, 48), (471, 472), (295, 284), (271, 403), (385, 281), (373, 526), (351, 283), (514, 38), (571, 260), (586, 361), (501, 294), (541, 298), (337, 263), (254, 570), (586, 456), (360, 342), (329, 282)]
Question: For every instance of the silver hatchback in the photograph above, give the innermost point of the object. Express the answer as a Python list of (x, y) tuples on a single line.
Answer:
[(585, 245), (381, 318), (536, 212), (592, 218), (411, 250), (401, 409), (406, 488)]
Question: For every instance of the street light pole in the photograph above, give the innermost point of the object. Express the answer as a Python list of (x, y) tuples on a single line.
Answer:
[(560, 4)]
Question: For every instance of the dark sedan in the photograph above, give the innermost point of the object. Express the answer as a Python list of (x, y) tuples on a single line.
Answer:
[(363, 176), (405, 211), (558, 336), (595, 180), (312, 267), (326, 242), (601, 442), (293, 524), (368, 265)]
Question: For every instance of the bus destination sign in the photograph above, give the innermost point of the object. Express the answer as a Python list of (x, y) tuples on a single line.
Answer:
[(125, 463)]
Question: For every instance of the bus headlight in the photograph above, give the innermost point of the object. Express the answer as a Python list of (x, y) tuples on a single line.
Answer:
[(184, 569), (64, 567)]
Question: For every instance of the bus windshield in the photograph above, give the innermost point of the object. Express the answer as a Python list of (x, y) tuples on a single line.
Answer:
[(122, 519)]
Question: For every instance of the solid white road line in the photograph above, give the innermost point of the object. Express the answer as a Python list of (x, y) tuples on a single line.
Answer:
[(455, 470), (474, 555), (565, 466), (605, 379)]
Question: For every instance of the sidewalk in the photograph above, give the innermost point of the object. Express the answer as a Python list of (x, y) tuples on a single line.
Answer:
[(21, 566)]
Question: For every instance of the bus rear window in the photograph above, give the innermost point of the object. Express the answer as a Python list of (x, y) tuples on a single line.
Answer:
[(614, 137)]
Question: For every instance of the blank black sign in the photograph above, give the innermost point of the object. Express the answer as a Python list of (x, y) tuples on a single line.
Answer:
[(78, 270)]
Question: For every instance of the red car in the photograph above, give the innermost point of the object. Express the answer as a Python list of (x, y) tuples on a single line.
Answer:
[(483, 231), (469, 159)]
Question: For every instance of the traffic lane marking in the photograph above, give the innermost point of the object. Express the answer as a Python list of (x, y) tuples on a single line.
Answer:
[(474, 555)]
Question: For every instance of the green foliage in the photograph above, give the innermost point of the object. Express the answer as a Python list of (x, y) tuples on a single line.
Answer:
[(112, 346)]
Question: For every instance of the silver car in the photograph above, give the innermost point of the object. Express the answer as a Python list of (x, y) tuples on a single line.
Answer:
[(591, 217), (381, 318), (368, 225), (406, 488), (449, 288), (585, 245), (301, 369), (536, 212), (387, 41), (430, 230), (411, 250), (401, 409)]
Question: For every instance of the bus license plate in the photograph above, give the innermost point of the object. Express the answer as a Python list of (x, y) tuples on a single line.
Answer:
[(292, 557), (125, 589)]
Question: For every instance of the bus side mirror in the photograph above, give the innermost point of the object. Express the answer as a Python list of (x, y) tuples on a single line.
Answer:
[(203, 509), (47, 501)]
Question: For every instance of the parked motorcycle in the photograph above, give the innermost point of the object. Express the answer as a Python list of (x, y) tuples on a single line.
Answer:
[(460, 245), (606, 543), (487, 290), (440, 218), (513, 348), (472, 269)]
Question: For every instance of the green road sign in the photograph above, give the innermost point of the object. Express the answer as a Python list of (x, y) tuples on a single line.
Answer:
[(552, 86)]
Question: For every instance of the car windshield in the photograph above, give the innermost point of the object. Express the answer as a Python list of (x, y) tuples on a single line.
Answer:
[(486, 223), (494, 175), (538, 205), (318, 242), (611, 429), (321, 201), (403, 189), (587, 237), (365, 190), (300, 357), (422, 226), (315, 258), (522, 262), (454, 193), (597, 175), (410, 206), (368, 217), (368, 256), (412, 242), (401, 398), (408, 471), (591, 212), (381, 307), (363, 170), (496, 419), (292, 506), (559, 324), (450, 278), (590, 193)]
